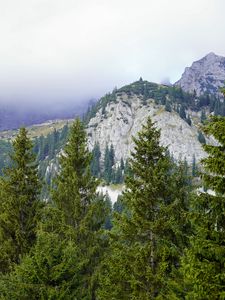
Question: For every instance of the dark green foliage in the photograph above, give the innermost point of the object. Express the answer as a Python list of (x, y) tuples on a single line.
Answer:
[(47, 273), (149, 235), (168, 106), (203, 266), (194, 167), (201, 137), (182, 112), (19, 203), (109, 160), (95, 163), (118, 175), (203, 116), (75, 182), (84, 211), (188, 120), (101, 104), (47, 147), (108, 222), (5, 150), (118, 205)]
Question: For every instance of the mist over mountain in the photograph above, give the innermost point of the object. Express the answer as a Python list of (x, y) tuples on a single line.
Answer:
[(13, 115)]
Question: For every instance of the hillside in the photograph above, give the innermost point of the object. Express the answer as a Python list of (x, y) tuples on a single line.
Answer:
[(120, 115)]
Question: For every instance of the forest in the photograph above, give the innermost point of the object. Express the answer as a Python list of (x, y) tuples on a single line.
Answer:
[(163, 239)]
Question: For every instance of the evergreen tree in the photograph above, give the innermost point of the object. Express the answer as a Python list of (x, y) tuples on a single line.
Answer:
[(95, 163), (201, 137), (109, 160), (149, 235), (194, 167), (203, 266), (122, 164), (182, 112), (107, 168), (118, 175), (168, 106), (203, 116), (19, 203), (50, 270), (84, 211), (188, 120)]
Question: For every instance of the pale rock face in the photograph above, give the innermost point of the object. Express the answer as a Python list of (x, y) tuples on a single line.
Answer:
[(124, 119), (204, 75)]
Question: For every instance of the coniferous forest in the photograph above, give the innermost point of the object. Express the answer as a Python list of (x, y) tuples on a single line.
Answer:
[(163, 239)]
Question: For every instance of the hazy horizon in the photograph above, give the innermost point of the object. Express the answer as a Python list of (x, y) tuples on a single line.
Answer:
[(55, 52)]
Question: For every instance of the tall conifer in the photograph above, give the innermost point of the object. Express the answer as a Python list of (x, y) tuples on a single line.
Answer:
[(84, 211), (20, 203), (204, 264), (147, 238)]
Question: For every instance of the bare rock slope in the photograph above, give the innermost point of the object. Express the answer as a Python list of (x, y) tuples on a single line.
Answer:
[(124, 118), (206, 75)]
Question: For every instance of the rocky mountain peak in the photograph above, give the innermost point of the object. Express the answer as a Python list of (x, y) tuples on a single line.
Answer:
[(206, 75)]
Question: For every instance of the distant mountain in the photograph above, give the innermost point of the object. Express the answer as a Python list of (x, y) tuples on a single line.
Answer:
[(13, 116), (119, 116), (205, 76)]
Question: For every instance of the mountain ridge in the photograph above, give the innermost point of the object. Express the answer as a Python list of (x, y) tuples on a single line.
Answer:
[(206, 75)]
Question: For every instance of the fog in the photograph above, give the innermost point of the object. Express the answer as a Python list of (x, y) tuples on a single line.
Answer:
[(66, 51)]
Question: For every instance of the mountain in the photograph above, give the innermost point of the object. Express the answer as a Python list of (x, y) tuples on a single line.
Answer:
[(206, 75), (116, 121), (119, 115), (13, 116), (177, 110)]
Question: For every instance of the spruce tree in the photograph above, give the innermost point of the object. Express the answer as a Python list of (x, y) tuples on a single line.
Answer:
[(19, 203), (95, 163), (83, 209), (149, 235), (203, 265), (51, 269)]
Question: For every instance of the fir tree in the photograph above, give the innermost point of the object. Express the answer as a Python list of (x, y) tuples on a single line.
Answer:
[(109, 160), (201, 137), (19, 203), (203, 116), (95, 163), (149, 236), (203, 266), (50, 270), (84, 211)]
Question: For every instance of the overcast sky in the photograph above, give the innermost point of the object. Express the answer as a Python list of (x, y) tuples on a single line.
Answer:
[(71, 50)]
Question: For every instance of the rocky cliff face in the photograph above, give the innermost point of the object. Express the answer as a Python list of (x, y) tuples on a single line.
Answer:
[(123, 118), (206, 75)]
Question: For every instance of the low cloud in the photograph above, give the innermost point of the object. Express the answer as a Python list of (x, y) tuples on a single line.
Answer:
[(70, 51)]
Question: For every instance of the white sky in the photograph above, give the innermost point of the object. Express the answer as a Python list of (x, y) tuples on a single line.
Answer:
[(70, 50)]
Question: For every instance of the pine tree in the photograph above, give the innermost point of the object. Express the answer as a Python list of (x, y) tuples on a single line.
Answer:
[(149, 235), (19, 203), (203, 265)]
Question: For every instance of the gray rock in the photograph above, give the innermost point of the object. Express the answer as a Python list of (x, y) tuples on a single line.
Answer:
[(206, 75), (124, 119)]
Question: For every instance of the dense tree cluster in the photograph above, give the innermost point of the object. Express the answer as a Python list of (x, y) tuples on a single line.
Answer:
[(163, 238)]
